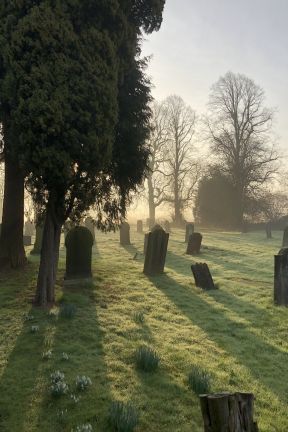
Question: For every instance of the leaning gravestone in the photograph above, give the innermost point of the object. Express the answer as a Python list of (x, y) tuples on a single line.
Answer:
[(38, 240), (189, 231), (167, 226), (269, 230), (125, 234), (194, 244), (140, 227), (79, 242), (89, 223), (202, 276), (156, 250), (285, 237), (27, 240), (281, 277)]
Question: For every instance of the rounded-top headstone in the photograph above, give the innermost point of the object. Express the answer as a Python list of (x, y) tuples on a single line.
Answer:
[(79, 242)]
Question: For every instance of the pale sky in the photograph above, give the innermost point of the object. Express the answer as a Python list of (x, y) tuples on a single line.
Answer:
[(201, 40)]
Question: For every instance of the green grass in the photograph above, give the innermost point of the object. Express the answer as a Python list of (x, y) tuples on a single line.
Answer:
[(235, 334)]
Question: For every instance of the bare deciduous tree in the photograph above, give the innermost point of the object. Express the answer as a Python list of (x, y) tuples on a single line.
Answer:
[(239, 128)]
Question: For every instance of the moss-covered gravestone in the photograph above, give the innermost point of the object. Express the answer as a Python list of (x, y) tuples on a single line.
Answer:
[(281, 278), (125, 234), (167, 226), (38, 240), (285, 237), (189, 231), (156, 250), (78, 242), (89, 223), (140, 227), (194, 244)]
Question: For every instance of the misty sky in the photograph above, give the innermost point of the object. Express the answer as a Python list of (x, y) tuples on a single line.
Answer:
[(201, 40)]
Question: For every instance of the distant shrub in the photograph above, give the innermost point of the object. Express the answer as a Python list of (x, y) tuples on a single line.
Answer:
[(67, 311), (83, 382), (123, 417), (147, 359), (199, 380), (139, 317)]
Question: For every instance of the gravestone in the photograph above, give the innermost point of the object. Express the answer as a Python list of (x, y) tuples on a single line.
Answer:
[(140, 227), (38, 240), (285, 237), (89, 223), (125, 234), (189, 231), (29, 228), (281, 277), (27, 240), (194, 244), (156, 250), (167, 226), (269, 230), (228, 412), (202, 276), (79, 242)]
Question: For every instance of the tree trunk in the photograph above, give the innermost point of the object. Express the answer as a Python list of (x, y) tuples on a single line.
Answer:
[(48, 261), (152, 207), (12, 250)]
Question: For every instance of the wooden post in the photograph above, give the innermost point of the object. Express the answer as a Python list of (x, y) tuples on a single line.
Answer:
[(281, 278), (228, 412), (202, 276)]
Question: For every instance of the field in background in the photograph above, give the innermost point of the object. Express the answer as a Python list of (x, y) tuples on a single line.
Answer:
[(234, 333)]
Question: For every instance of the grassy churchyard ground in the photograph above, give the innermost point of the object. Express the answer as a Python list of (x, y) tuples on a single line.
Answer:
[(235, 334)]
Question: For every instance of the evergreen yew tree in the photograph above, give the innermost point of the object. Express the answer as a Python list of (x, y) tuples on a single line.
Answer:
[(77, 97)]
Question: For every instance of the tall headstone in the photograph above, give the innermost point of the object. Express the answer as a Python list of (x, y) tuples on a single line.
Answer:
[(202, 276), (167, 226), (285, 237), (268, 229), (79, 242), (281, 277), (140, 227), (189, 231), (38, 240), (125, 234), (194, 244), (89, 223), (156, 250)]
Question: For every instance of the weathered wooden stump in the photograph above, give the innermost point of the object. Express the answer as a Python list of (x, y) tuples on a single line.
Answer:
[(281, 278), (78, 242), (167, 226), (285, 237), (268, 229), (125, 234), (89, 223), (156, 250), (228, 412), (27, 240), (194, 244), (202, 276), (140, 227), (189, 231), (38, 240)]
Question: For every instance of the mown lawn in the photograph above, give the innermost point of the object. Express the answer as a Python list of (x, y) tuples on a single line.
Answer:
[(235, 333)]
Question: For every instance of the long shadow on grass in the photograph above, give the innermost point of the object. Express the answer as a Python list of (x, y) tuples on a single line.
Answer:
[(233, 337)]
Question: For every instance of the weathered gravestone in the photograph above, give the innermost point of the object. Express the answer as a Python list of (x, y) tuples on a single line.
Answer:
[(38, 240), (125, 234), (167, 226), (268, 229), (78, 242), (89, 223), (281, 277), (228, 412), (29, 228), (27, 240), (140, 227), (202, 276), (189, 231), (194, 244), (156, 250), (285, 237)]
